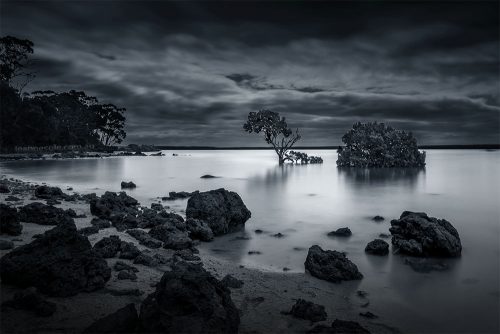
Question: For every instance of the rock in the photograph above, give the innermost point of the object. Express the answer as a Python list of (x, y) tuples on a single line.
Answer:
[(258, 231), (60, 263), (144, 238), (254, 253), (189, 299), (12, 199), (198, 229), (208, 176), (47, 192), (156, 206), (146, 260), (124, 222), (278, 235), (39, 213), (128, 185), (125, 292), (368, 315), (187, 255), (384, 235), (173, 195), (330, 265), (52, 202), (414, 233), (6, 244), (378, 218), (340, 327), (308, 311), (108, 247), (120, 265), (341, 232), (172, 237), (112, 205), (159, 154), (222, 210), (128, 250), (30, 300), (232, 282), (126, 274), (88, 230), (125, 320), (171, 216), (100, 223), (9, 220), (425, 265), (377, 247), (4, 189)]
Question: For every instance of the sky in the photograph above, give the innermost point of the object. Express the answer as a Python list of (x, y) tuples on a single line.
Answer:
[(189, 73)]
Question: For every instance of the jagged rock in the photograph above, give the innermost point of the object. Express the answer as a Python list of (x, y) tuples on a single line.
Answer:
[(108, 247), (89, 230), (330, 265), (173, 195), (368, 315), (128, 185), (30, 300), (4, 189), (222, 210), (172, 237), (189, 299), (112, 206), (120, 265), (187, 255), (341, 232), (414, 233), (6, 244), (9, 220), (146, 260), (232, 282), (425, 266), (156, 206), (60, 263), (124, 222), (309, 311), (128, 250), (47, 192), (171, 216), (339, 327), (377, 247), (125, 320), (144, 238), (39, 213), (126, 274), (198, 229), (100, 223)]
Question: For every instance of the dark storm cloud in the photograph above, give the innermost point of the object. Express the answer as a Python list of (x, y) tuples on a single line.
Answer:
[(189, 73)]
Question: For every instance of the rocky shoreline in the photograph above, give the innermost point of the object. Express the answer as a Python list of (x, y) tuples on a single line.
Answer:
[(136, 253)]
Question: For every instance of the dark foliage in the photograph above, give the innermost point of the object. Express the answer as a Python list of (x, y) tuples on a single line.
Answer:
[(303, 158), (378, 145), (14, 60)]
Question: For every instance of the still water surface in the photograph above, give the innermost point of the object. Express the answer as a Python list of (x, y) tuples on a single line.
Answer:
[(306, 202)]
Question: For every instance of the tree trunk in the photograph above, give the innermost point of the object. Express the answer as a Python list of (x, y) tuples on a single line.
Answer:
[(281, 161)]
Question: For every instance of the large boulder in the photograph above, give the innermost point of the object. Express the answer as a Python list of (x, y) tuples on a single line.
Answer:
[(417, 234), (39, 213), (189, 299), (330, 265), (47, 192), (59, 263), (172, 237), (113, 204), (125, 320), (222, 210), (9, 220)]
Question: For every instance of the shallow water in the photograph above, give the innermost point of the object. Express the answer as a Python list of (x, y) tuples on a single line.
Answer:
[(306, 202)]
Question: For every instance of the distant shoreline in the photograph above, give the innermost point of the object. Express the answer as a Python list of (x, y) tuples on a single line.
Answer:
[(424, 147)]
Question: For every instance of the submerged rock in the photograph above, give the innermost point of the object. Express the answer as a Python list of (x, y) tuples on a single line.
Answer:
[(30, 300), (189, 299), (39, 213), (125, 320), (417, 234), (208, 176), (9, 220), (60, 263), (222, 210), (378, 218), (425, 265), (308, 311), (340, 327), (330, 265), (128, 185), (341, 232), (377, 247)]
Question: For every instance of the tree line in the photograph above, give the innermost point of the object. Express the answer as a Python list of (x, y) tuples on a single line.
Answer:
[(45, 118)]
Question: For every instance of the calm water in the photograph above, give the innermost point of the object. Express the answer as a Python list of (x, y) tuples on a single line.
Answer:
[(306, 202)]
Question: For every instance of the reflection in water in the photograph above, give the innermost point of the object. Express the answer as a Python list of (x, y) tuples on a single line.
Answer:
[(366, 177)]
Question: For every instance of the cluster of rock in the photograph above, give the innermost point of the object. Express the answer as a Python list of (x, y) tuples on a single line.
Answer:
[(174, 195)]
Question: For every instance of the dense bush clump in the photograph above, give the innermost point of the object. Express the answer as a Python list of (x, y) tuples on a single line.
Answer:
[(378, 145), (303, 158)]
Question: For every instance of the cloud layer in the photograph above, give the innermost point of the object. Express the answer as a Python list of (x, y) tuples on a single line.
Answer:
[(189, 73)]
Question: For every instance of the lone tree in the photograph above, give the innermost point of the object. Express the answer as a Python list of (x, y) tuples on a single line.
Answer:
[(275, 129), (14, 61), (378, 145)]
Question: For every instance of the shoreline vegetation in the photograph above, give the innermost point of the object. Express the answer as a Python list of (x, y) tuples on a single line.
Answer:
[(130, 267)]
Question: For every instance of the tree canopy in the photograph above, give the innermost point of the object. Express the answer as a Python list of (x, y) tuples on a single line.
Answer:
[(378, 145), (14, 60)]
